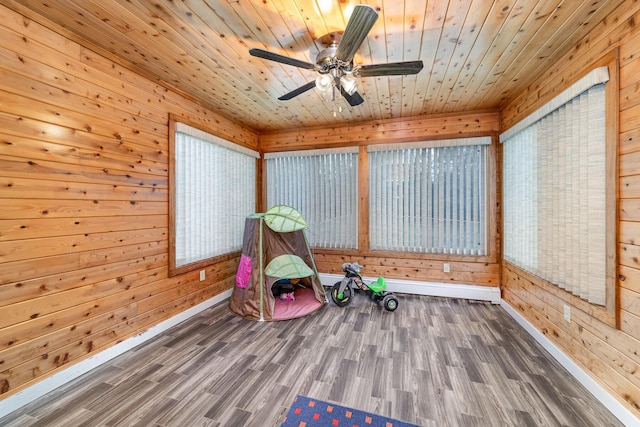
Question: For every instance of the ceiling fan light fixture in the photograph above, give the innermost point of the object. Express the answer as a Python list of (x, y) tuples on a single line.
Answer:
[(329, 94), (324, 82), (335, 62), (325, 5), (348, 83)]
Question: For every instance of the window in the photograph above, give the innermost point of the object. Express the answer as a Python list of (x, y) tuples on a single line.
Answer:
[(323, 186), (213, 190), (429, 197), (555, 196)]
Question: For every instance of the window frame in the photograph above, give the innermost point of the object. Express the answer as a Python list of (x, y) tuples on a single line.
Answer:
[(608, 313), (365, 251), (203, 263), (439, 148), (330, 246)]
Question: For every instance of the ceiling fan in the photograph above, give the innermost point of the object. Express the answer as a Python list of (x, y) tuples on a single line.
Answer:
[(335, 62)]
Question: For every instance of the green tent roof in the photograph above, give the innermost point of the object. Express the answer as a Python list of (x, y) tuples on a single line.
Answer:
[(288, 267), (284, 219)]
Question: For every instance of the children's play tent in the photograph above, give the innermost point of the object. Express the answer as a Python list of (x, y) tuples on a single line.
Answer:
[(275, 249)]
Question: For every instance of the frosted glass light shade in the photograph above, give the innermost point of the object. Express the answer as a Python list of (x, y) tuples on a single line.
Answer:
[(324, 82), (348, 83)]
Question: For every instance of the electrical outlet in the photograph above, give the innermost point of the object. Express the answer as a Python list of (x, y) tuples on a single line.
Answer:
[(446, 267), (567, 313), (201, 275)]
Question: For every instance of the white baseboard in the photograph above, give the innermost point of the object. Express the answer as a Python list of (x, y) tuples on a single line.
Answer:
[(451, 290), (611, 403), (28, 395)]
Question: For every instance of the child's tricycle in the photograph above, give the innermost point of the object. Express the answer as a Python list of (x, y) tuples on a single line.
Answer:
[(342, 291)]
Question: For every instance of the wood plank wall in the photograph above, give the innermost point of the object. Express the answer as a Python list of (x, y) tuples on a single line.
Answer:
[(84, 204), (611, 356), (480, 271)]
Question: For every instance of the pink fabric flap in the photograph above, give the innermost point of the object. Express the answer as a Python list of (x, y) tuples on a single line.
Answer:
[(244, 271)]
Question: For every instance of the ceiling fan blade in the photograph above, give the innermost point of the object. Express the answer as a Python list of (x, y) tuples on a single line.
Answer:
[(298, 91), (391, 69), (358, 27), (265, 54), (354, 99)]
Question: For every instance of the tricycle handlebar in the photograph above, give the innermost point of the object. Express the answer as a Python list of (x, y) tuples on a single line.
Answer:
[(352, 267)]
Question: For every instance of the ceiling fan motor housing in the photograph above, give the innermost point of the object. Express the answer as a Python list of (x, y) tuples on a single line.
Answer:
[(326, 58)]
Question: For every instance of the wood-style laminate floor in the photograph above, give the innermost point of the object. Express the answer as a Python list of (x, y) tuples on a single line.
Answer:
[(433, 362)]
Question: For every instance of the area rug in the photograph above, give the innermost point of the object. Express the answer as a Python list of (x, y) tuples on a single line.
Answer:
[(308, 412)]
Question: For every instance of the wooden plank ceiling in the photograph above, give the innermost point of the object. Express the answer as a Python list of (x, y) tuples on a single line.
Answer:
[(477, 53)]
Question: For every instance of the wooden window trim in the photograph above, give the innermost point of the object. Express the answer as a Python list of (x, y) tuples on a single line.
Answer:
[(609, 313), (199, 265)]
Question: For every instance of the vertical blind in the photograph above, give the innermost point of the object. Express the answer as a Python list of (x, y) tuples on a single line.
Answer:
[(323, 186), (429, 197), (554, 195), (214, 192)]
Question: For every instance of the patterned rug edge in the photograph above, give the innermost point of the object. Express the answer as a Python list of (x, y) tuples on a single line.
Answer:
[(309, 412)]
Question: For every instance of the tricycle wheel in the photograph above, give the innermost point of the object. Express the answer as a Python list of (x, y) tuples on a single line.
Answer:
[(343, 299), (390, 302)]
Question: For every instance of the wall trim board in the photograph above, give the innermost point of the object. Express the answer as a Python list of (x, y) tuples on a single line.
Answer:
[(451, 290), (28, 395), (609, 401)]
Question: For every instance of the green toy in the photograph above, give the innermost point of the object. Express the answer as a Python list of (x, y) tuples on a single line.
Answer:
[(342, 291)]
